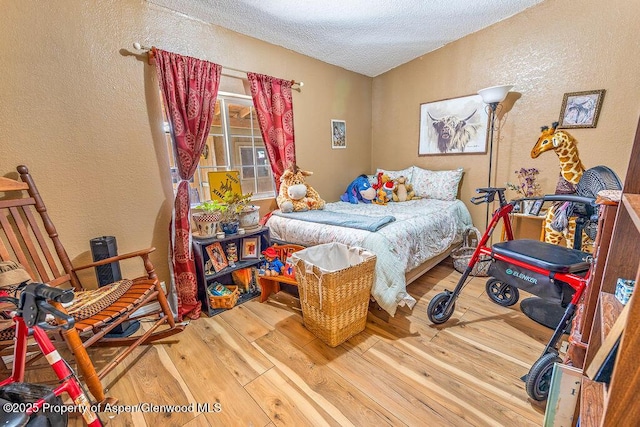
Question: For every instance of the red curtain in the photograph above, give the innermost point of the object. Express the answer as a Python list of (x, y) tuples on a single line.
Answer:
[(189, 87), (274, 107)]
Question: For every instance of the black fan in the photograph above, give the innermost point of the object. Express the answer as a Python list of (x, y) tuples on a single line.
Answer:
[(593, 181)]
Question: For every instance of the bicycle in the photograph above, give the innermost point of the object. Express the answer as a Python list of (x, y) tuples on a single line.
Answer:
[(29, 319)]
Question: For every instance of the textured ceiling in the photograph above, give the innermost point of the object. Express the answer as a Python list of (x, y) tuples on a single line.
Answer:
[(369, 37)]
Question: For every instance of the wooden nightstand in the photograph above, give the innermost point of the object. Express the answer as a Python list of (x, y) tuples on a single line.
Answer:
[(526, 226)]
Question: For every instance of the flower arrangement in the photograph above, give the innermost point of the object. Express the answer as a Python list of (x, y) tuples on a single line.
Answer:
[(527, 185)]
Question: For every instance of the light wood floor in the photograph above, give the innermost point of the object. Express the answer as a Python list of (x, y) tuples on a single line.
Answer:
[(263, 368)]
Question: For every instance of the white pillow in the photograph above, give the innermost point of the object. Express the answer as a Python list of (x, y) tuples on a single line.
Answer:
[(442, 185), (407, 173)]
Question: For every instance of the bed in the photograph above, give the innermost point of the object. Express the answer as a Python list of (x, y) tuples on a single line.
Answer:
[(423, 233)]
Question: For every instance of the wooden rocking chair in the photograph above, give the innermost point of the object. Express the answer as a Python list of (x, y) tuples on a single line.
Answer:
[(96, 312)]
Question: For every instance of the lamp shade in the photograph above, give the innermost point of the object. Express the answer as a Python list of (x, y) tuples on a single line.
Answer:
[(494, 93)]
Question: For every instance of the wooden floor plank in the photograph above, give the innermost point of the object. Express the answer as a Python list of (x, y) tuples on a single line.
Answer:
[(281, 315), (213, 383), (439, 385), (199, 421), (285, 403), (384, 388), (245, 322), (495, 332), (156, 385), (232, 349), (347, 402), (488, 379)]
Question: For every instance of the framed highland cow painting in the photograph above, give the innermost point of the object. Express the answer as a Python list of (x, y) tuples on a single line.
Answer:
[(453, 126)]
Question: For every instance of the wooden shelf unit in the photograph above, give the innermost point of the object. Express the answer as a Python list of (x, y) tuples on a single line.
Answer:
[(224, 276), (617, 403)]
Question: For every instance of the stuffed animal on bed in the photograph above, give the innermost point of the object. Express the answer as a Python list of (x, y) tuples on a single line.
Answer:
[(295, 194), (384, 189), (360, 190), (403, 190)]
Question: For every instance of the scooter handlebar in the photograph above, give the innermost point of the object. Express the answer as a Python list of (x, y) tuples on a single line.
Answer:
[(568, 198), (47, 292)]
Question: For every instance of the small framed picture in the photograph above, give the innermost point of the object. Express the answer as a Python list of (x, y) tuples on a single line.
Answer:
[(338, 134), (250, 247), (536, 207), (217, 256), (581, 109)]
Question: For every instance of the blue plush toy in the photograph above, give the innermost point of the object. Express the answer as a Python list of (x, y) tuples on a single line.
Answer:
[(360, 190)]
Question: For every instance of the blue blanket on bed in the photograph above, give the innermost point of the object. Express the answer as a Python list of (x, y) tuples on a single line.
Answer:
[(363, 222)]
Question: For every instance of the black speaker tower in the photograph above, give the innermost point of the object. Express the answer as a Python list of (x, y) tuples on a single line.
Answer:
[(102, 248)]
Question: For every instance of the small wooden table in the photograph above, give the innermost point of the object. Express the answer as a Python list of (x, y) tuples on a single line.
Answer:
[(271, 284), (524, 224)]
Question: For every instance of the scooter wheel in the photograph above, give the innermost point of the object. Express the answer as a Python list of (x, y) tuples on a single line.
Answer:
[(501, 293), (539, 377), (436, 312)]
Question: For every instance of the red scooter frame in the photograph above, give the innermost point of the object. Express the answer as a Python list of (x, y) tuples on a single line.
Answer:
[(34, 300), (442, 306)]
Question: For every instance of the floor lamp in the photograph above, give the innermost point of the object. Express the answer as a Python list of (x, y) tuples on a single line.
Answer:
[(492, 96)]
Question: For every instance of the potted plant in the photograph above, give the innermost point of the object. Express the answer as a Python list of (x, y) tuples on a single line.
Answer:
[(234, 204), (207, 218), (250, 217), (527, 186)]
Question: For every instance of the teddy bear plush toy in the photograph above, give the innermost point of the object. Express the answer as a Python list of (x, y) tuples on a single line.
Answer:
[(384, 189), (403, 191), (273, 266), (295, 194)]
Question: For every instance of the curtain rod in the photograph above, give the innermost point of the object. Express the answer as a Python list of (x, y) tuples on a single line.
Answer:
[(149, 52)]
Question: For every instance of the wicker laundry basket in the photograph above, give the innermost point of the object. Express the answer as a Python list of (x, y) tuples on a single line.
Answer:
[(462, 255), (334, 282)]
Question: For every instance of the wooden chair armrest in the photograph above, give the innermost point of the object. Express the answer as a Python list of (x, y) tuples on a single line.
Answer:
[(144, 254)]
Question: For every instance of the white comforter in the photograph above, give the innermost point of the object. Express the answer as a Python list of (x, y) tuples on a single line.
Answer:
[(423, 229)]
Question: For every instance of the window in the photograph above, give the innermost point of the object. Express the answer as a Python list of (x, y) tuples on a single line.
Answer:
[(257, 158), (234, 143)]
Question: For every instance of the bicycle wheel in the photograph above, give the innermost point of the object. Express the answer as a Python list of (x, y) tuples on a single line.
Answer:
[(502, 293), (539, 377)]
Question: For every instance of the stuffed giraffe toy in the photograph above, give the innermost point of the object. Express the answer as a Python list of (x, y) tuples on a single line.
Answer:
[(295, 194), (571, 170)]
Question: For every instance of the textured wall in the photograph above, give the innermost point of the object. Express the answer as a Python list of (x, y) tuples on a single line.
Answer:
[(84, 114), (547, 50)]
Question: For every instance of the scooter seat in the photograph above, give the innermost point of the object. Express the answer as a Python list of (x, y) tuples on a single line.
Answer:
[(547, 256)]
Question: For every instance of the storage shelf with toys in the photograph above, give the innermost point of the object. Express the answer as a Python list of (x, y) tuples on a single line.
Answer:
[(609, 395), (230, 261)]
